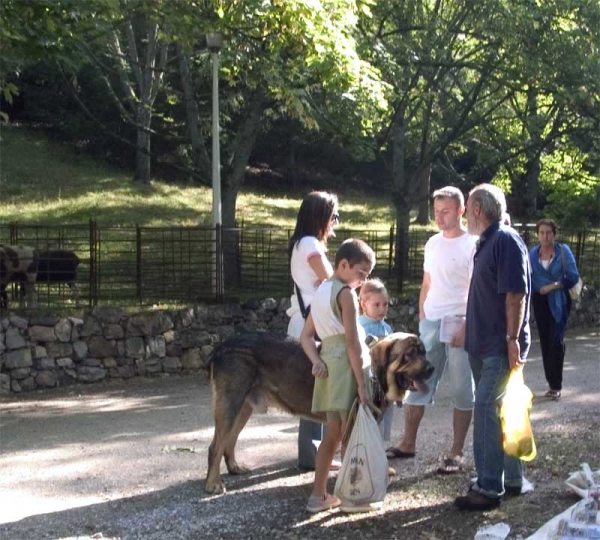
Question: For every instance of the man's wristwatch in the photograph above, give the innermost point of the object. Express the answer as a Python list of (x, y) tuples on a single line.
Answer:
[(511, 338)]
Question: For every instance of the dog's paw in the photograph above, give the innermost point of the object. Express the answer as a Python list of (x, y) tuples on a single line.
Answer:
[(238, 469), (215, 488)]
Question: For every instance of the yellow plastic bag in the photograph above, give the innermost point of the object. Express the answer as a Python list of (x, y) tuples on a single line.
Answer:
[(514, 416)]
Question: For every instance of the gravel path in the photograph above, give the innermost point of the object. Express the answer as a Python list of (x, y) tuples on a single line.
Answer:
[(127, 460)]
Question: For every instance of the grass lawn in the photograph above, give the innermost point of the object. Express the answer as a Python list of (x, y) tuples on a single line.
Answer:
[(43, 182)]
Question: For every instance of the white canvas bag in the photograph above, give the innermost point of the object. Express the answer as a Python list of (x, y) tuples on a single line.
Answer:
[(363, 478)]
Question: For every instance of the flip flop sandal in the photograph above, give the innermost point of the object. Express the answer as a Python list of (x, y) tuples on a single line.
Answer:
[(392, 453), (452, 465)]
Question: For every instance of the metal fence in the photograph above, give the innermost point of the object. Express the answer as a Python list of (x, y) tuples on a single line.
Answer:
[(141, 266)]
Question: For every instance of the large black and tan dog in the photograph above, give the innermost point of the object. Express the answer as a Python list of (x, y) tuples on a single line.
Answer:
[(255, 370)]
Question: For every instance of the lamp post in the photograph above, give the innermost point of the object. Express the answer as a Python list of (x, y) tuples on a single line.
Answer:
[(214, 43)]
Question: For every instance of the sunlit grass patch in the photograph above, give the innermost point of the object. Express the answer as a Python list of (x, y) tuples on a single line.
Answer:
[(43, 182)]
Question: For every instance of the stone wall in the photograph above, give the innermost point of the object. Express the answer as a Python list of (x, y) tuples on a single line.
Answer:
[(47, 351)]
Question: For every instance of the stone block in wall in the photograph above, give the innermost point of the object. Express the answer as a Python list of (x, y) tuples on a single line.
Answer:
[(74, 333), (109, 362), (39, 352), (16, 321), (170, 336), (66, 363), (21, 358), (15, 386), (14, 339), (134, 346), (192, 337), (225, 331), (62, 329), (114, 331), (93, 362), (80, 350), (20, 373), (149, 324), (27, 384), (268, 304), (90, 374), (100, 347), (284, 304), (5, 323), (392, 313), (140, 366), (261, 316), (4, 383), (91, 327), (192, 359), (171, 365), (183, 318), (153, 365), (174, 349), (56, 350), (125, 361), (43, 334), (156, 346), (45, 363), (43, 320), (108, 315), (123, 372), (47, 379)]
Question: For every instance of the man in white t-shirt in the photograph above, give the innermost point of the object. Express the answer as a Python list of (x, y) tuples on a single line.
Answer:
[(442, 308)]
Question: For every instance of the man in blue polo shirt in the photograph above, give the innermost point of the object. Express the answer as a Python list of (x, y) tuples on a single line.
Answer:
[(497, 340)]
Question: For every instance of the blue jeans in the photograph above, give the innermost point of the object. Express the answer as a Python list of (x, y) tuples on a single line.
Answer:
[(494, 468)]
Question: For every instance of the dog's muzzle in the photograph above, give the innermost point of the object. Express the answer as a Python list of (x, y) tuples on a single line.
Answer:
[(415, 384)]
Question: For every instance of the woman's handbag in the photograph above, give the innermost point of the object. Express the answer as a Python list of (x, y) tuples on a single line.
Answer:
[(514, 417), (363, 478), (575, 290)]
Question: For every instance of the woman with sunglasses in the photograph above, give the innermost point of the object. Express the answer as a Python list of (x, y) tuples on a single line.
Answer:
[(317, 217)]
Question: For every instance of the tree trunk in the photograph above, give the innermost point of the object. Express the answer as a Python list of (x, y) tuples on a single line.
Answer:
[(525, 202), (232, 179), (237, 161), (200, 160), (424, 185), (142, 148), (399, 198)]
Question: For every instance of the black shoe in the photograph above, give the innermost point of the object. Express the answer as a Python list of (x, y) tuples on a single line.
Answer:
[(512, 491), (476, 501)]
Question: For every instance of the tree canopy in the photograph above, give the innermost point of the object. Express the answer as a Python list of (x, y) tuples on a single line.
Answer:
[(430, 91)]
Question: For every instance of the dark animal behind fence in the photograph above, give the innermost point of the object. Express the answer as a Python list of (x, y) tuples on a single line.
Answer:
[(18, 264), (54, 266)]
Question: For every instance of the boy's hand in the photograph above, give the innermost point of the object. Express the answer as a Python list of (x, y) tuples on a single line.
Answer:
[(319, 369), (362, 395)]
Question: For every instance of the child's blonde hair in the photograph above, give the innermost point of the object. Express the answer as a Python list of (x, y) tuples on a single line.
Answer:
[(369, 287)]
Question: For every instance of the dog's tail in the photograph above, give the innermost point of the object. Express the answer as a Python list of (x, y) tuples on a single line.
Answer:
[(211, 359)]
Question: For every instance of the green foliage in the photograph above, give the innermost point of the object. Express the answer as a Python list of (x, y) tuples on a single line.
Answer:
[(573, 192)]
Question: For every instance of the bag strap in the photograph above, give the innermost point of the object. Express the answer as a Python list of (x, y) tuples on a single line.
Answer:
[(303, 309), (564, 262)]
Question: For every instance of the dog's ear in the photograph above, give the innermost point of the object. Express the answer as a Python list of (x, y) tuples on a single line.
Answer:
[(381, 350)]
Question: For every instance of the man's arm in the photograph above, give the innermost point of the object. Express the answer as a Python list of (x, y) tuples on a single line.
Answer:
[(423, 294), (515, 313)]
